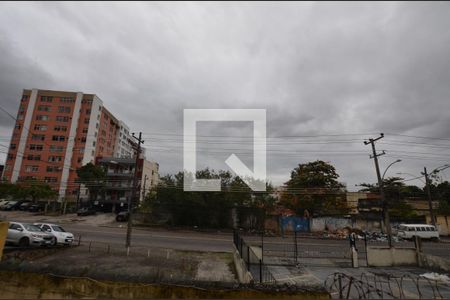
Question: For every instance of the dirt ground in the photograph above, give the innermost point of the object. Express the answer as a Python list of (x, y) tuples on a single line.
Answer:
[(154, 265)]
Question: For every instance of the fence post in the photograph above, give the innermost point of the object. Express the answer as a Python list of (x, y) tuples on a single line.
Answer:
[(90, 243), (295, 246), (79, 240), (365, 248), (241, 245), (260, 272), (248, 257), (262, 246)]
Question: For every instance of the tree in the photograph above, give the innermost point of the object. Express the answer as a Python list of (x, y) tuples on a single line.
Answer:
[(94, 178), (316, 174), (36, 190), (207, 208), (314, 187), (396, 192)]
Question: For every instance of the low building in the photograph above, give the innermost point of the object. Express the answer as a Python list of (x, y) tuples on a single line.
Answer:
[(119, 187)]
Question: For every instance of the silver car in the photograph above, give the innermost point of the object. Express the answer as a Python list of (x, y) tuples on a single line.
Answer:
[(25, 235), (60, 236)]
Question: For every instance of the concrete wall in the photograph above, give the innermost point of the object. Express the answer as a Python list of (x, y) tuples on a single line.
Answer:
[(369, 225), (442, 223), (385, 257), (434, 262), (20, 285), (244, 276), (329, 223)]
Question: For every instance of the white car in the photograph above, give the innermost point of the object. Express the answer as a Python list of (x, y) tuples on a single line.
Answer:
[(60, 235), (25, 235), (424, 231)]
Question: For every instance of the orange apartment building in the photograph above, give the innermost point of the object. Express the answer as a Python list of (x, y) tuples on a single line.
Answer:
[(56, 133)]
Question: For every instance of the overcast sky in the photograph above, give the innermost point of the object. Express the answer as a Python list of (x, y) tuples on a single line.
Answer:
[(329, 76)]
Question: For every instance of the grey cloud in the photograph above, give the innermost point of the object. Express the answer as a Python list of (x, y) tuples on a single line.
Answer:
[(318, 68)]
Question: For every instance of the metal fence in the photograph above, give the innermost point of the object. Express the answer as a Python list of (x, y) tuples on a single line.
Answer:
[(384, 286), (255, 263)]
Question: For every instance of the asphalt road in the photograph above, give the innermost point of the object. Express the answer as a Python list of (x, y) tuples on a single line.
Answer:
[(180, 240)]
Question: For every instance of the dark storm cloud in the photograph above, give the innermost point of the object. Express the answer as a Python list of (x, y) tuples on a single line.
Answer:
[(318, 68)]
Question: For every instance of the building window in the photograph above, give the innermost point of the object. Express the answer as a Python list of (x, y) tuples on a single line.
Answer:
[(54, 148), (54, 158), (43, 108), (64, 109), (46, 99), (42, 118), (40, 127), (51, 169), (85, 130), (62, 119), (17, 126), (37, 137), (60, 128), (50, 179), (20, 117), (86, 121), (58, 138), (31, 169), (36, 147), (80, 159), (66, 99), (12, 146), (10, 156), (25, 97), (33, 157)]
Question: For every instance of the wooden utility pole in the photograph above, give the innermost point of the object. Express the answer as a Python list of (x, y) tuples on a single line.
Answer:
[(385, 209), (143, 187), (134, 190), (430, 204)]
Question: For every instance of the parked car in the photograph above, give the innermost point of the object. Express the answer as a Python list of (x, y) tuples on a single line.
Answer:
[(25, 205), (12, 205), (122, 216), (86, 211), (3, 204), (3, 201), (36, 207), (60, 236), (424, 231), (25, 235)]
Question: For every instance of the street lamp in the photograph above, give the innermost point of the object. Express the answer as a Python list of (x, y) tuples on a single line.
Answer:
[(385, 210), (397, 161)]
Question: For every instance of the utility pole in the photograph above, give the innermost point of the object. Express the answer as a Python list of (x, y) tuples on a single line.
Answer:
[(143, 188), (385, 210), (78, 196), (134, 190), (430, 204)]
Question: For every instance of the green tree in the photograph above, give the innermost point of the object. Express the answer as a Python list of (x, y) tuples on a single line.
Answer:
[(314, 187), (395, 192), (94, 178), (206, 208), (36, 190)]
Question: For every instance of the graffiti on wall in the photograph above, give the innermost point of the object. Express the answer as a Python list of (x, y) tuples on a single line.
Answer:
[(293, 223)]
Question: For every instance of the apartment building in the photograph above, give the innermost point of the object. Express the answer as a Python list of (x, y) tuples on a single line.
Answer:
[(120, 173), (56, 133)]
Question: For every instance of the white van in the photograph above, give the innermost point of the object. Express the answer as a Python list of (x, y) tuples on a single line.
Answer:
[(409, 231)]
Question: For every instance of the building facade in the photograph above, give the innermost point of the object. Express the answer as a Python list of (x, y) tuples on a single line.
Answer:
[(119, 186), (57, 132)]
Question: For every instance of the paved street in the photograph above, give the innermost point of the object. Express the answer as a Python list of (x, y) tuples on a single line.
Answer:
[(154, 238)]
